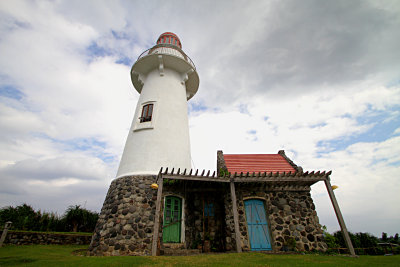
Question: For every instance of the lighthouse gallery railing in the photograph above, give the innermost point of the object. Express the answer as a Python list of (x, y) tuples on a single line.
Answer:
[(167, 49)]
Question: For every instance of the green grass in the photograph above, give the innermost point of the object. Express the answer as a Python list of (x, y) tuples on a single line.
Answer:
[(57, 255)]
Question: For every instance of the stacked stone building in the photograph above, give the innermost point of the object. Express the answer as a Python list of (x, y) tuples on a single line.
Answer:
[(158, 205), (205, 218)]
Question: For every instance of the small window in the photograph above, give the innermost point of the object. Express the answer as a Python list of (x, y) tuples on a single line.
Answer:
[(147, 112), (209, 209)]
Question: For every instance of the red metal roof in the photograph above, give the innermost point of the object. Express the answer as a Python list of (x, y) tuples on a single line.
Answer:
[(257, 163), (164, 40)]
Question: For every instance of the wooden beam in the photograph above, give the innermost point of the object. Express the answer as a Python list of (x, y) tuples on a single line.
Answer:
[(196, 178), (339, 217), (279, 179), (200, 189), (281, 188), (235, 217), (309, 181), (157, 216)]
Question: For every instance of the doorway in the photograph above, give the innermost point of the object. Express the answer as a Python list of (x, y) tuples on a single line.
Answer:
[(257, 225), (172, 220)]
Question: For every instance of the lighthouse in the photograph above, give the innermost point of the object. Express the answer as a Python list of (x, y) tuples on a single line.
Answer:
[(166, 78)]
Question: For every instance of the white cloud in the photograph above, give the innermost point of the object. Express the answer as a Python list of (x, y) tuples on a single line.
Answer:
[(367, 177), (55, 183)]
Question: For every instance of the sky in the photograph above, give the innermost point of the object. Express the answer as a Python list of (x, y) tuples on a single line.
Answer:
[(318, 79)]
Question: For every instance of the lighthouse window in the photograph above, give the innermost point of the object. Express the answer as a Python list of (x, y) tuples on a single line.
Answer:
[(147, 112)]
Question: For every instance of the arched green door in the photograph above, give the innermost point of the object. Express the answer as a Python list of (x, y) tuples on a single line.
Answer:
[(172, 220)]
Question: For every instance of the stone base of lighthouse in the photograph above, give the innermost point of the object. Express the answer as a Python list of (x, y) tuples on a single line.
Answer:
[(126, 221)]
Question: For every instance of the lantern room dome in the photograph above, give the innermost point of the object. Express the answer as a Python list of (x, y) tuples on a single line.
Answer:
[(170, 39), (168, 54)]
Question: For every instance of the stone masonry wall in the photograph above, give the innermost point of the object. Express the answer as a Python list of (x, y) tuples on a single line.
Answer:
[(29, 238), (126, 221), (209, 227), (289, 215), (230, 238), (293, 214)]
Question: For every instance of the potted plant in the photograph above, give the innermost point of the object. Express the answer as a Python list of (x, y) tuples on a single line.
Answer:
[(207, 243), (289, 244)]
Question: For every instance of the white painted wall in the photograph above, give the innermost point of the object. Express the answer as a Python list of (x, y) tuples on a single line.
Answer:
[(163, 142)]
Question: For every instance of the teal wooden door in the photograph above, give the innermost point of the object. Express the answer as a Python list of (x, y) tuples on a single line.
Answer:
[(257, 225), (172, 220)]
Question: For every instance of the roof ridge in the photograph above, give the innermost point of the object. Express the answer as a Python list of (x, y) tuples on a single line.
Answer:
[(247, 154), (297, 168)]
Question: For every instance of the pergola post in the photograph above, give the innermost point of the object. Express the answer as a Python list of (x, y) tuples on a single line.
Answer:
[(235, 217), (157, 216), (339, 217)]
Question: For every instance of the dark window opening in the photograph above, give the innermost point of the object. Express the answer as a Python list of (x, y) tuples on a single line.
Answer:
[(147, 112), (209, 209)]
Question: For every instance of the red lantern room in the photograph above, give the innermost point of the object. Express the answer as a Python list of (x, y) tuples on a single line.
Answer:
[(169, 38)]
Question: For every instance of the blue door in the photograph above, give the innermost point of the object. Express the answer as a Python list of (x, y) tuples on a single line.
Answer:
[(257, 225)]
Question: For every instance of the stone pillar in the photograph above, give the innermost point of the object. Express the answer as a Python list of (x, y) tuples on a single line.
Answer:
[(221, 166)]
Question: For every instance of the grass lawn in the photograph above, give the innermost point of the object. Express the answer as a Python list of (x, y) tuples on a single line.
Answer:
[(59, 255)]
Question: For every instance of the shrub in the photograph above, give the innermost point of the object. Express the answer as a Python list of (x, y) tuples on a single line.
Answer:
[(24, 217), (79, 219)]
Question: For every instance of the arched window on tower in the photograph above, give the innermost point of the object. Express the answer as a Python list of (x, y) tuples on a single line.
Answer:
[(147, 113)]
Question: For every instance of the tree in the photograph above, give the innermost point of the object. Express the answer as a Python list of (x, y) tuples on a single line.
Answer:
[(384, 236), (23, 217), (330, 240), (368, 241), (79, 219)]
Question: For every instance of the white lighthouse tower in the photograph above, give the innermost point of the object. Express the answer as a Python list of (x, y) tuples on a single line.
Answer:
[(166, 79)]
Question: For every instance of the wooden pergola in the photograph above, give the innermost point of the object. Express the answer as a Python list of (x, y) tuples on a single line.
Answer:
[(291, 181)]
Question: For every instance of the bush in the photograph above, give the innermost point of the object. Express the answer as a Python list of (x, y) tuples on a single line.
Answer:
[(80, 220), (331, 241), (24, 217)]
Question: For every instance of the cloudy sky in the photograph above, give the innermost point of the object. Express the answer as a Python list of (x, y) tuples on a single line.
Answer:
[(319, 79)]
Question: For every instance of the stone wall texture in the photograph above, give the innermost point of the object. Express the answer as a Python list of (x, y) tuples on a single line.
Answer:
[(126, 221), (290, 214), (30, 238)]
